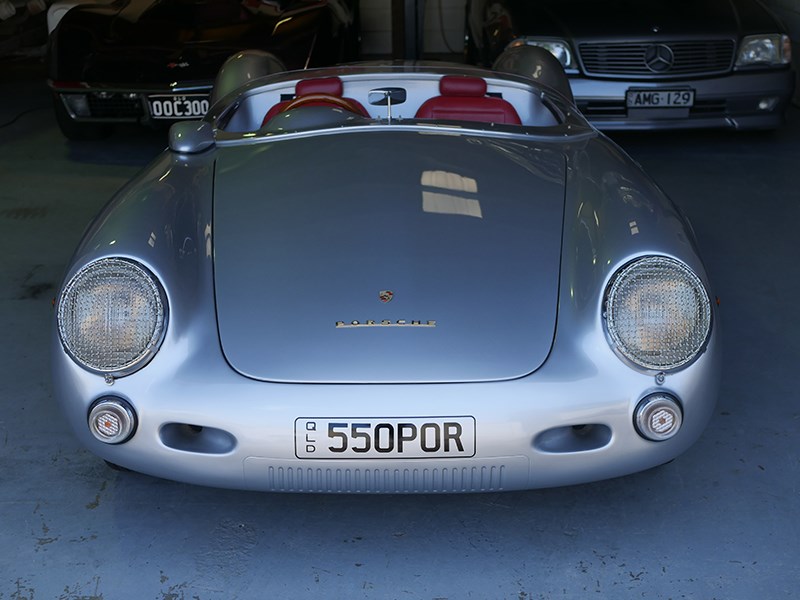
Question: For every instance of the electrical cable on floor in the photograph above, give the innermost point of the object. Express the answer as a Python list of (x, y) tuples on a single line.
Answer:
[(20, 115)]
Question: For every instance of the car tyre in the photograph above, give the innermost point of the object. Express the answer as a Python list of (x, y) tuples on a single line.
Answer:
[(76, 131)]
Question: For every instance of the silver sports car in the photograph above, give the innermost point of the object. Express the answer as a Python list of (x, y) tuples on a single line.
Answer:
[(387, 278)]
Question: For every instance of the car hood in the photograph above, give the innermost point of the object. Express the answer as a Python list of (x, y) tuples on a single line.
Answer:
[(642, 19), (387, 257)]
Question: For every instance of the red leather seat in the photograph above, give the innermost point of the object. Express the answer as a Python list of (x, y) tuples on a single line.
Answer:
[(318, 87), (464, 98)]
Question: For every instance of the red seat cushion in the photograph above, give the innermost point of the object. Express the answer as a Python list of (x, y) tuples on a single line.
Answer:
[(464, 98), (452, 85), (319, 85)]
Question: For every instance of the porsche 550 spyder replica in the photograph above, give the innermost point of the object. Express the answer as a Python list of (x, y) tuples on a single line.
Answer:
[(388, 278)]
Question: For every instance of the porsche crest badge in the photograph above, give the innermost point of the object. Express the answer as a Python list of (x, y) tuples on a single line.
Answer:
[(385, 296)]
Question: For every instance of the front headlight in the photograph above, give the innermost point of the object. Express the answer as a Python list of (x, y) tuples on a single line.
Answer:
[(774, 49), (658, 313), (112, 316), (558, 48)]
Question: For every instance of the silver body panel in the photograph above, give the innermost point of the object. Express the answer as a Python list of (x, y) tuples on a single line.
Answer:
[(463, 245), (559, 415)]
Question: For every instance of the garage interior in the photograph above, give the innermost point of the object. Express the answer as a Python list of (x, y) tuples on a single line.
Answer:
[(719, 522)]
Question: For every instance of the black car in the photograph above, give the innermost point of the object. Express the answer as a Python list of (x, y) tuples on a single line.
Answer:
[(156, 60), (650, 64)]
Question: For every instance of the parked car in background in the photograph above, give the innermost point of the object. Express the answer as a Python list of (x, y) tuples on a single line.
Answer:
[(388, 278), (651, 64), (155, 60)]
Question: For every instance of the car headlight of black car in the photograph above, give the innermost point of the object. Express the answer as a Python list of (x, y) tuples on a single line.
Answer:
[(112, 316), (557, 47), (658, 313), (766, 49)]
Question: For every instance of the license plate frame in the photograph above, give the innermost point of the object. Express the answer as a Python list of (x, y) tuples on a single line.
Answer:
[(646, 99), (384, 438), (174, 107)]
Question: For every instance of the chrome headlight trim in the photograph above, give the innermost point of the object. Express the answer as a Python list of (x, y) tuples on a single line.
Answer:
[(765, 49), (657, 313), (558, 47), (112, 316)]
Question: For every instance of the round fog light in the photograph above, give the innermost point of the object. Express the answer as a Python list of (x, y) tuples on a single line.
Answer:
[(658, 417), (112, 421), (767, 103)]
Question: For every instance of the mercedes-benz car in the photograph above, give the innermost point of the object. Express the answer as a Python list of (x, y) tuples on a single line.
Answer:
[(388, 278), (152, 61), (651, 64)]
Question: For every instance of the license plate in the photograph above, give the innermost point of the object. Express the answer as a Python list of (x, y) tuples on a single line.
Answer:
[(392, 438), (178, 107), (659, 98)]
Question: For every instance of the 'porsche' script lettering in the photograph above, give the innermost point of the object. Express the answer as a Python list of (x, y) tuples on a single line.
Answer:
[(384, 323)]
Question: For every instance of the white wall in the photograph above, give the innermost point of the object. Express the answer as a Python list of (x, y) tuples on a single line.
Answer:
[(376, 26)]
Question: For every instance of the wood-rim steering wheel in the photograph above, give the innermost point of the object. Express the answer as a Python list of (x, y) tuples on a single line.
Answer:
[(323, 100)]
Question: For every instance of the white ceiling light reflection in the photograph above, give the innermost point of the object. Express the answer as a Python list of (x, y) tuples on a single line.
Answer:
[(441, 199)]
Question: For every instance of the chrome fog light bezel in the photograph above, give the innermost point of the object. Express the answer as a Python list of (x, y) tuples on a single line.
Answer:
[(632, 349), (658, 417), (112, 420), (77, 104), (70, 331)]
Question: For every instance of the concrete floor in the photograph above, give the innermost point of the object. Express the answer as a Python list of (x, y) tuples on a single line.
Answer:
[(719, 522)]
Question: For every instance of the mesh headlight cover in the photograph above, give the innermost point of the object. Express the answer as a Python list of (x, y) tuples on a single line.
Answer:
[(658, 313), (111, 316)]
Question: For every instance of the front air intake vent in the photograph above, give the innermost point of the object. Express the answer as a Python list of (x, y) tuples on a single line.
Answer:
[(475, 479), (482, 476)]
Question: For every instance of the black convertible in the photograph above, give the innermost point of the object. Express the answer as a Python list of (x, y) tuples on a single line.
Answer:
[(156, 60), (649, 64)]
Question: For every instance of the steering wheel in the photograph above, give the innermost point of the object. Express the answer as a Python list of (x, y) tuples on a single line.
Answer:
[(325, 100)]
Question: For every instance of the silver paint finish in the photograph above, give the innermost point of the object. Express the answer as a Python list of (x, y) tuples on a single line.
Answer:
[(243, 67), (469, 229), (164, 219), (191, 137)]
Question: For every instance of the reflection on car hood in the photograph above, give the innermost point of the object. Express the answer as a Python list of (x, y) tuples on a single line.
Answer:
[(641, 19), (436, 254)]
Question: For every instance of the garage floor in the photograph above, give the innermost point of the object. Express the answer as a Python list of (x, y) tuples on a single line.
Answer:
[(719, 522)]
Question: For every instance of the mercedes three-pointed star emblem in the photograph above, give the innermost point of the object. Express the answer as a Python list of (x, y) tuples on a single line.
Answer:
[(659, 58)]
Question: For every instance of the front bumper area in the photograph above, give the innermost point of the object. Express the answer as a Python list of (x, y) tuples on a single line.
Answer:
[(742, 100), (88, 103), (217, 428)]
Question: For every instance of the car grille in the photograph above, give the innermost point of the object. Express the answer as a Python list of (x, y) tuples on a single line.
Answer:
[(485, 476), (683, 58), (111, 105)]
